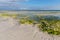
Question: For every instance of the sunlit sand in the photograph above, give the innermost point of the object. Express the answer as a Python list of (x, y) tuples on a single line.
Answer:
[(10, 29)]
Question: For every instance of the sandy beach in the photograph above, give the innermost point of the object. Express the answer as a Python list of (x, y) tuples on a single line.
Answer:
[(10, 29)]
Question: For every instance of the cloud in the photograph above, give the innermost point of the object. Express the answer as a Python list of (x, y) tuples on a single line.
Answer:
[(6, 0), (52, 7), (13, 6), (14, 0), (57, 7)]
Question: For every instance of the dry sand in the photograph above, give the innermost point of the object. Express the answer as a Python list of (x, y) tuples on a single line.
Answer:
[(11, 30)]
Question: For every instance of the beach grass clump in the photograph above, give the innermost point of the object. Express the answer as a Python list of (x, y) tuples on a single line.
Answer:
[(26, 21), (51, 25)]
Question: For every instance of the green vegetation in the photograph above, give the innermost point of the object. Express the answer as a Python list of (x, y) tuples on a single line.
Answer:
[(48, 23)]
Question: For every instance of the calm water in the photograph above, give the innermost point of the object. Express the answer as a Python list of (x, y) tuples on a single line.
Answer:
[(43, 12)]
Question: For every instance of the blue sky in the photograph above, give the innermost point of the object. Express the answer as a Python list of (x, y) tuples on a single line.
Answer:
[(29, 4)]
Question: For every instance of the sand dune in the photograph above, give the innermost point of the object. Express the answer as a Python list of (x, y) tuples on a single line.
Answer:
[(11, 30)]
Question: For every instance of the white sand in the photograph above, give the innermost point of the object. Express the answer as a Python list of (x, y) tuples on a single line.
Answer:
[(11, 30)]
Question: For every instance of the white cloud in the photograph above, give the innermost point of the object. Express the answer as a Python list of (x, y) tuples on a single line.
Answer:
[(14, 0), (12, 4), (5, 0), (53, 7), (23, 8)]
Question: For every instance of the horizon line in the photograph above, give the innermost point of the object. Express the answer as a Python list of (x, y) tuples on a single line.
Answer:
[(29, 10)]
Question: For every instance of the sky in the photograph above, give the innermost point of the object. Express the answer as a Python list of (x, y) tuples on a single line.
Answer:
[(29, 4)]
